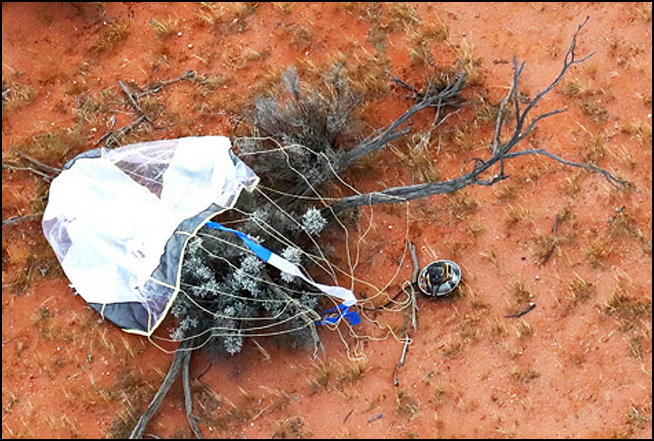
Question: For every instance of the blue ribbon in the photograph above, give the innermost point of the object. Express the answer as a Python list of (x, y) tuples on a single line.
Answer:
[(343, 312), (264, 254)]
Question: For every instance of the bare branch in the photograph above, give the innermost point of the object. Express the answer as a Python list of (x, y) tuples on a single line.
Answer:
[(188, 398), (18, 219), (133, 99), (445, 97), (159, 85), (10, 167), (613, 180), (521, 115), (499, 152), (500, 121), (181, 358), (40, 165)]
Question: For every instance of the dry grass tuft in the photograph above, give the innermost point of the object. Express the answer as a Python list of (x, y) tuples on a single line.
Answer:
[(418, 159), (498, 327), (461, 205), (524, 376), (131, 392), (283, 7), (452, 349), (420, 55), (626, 307), (520, 296), (440, 393), (407, 405), (579, 291), (636, 418), (643, 11), (544, 245), (595, 149), (243, 9), (324, 374), (475, 229), (164, 29), (491, 256), (468, 61), (121, 427), (571, 186), (300, 37), (487, 113), (90, 110), (639, 130), (402, 15), (636, 347), (517, 214), (211, 83), (524, 329), (15, 96), (111, 35), (369, 77), (52, 148), (628, 303), (463, 138), (430, 32), (623, 224), (467, 327), (574, 88), (292, 428), (354, 371), (598, 251), (211, 14), (595, 111)]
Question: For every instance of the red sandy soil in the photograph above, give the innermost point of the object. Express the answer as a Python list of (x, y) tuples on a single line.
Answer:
[(573, 367)]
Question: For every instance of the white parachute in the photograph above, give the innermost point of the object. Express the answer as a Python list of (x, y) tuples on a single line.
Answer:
[(119, 221)]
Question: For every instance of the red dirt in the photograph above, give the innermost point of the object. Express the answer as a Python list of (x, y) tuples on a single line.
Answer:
[(565, 370)]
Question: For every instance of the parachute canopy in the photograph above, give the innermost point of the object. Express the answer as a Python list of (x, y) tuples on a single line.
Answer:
[(119, 221)]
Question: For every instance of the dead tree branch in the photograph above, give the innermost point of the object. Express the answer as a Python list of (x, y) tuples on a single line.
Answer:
[(188, 397), (18, 219), (159, 85), (500, 152), (613, 180), (40, 165), (10, 167), (180, 363), (37, 167), (112, 138), (448, 96)]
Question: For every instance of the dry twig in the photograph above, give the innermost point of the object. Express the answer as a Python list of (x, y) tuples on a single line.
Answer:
[(181, 361), (414, 311)]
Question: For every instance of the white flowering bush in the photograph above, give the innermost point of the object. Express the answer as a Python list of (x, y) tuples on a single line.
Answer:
[(229, 293), (313, 222)]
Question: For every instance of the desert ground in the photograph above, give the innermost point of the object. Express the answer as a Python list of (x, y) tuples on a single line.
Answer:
[(579, 365)]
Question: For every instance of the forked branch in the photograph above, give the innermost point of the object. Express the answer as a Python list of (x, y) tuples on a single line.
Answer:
[(500, 151), (445, 97), (180, 363)]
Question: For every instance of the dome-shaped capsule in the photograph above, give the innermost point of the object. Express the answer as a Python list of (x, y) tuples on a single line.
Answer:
[(439, 278)]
